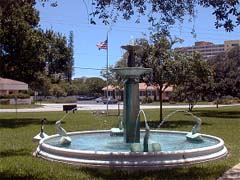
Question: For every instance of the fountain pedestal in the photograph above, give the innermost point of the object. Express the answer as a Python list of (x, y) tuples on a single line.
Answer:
[(131, 109), (131, 75)]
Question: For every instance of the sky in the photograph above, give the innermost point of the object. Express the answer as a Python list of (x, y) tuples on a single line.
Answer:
[(72, 15)]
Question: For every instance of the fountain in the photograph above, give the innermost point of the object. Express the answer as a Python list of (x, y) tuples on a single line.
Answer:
[(118, 131), (131, 148), (42, 134), (147, 147), (131, 74), (193, 135)]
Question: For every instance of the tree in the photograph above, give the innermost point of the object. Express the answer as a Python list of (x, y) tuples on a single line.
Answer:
[(82, 88), (160, 57), (70, 62), (161, 14), (70, 88), (22, 45), (58, 57), (27, 53), (226, 68), (57, 90), (95, 85), (113, 78), (42, 84), (197, 80)]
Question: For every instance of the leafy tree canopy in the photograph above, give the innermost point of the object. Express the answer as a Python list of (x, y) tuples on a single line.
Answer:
[(22, 46), (95, 85), (27, 53), (196, 81), (226, 68), (58, 53), (161, 14)]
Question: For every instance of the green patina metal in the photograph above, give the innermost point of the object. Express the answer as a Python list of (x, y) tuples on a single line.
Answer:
[(131, 109), (131, 95)]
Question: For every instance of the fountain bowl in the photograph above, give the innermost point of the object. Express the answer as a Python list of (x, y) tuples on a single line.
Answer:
[(85, 156), (131, 72)]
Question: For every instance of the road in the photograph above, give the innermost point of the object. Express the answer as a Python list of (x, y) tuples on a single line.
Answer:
[(94, 106)]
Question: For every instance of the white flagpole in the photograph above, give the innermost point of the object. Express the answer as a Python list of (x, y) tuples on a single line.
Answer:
[(107, 73)]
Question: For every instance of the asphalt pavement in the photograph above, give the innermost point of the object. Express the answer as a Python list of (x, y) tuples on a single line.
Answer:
[(100, 106)]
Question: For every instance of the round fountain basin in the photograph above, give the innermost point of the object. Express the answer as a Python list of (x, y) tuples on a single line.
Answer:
[(100, 150)]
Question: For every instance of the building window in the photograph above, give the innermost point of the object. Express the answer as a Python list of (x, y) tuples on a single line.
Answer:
[(142, 93), (149, 93), (110, 93), (167, 94)]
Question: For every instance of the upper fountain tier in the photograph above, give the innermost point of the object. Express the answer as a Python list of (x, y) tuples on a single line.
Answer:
[(131, 72), (131, 47)]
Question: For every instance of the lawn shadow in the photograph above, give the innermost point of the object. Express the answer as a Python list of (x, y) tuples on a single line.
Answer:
[(12, 152), (218, 114), (20, 122), (6, 176), (186, 173)]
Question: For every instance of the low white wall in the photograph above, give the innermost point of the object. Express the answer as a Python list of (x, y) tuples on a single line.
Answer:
[(21, 101)]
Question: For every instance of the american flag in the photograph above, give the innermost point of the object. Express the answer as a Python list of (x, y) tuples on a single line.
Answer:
[(102, 45)]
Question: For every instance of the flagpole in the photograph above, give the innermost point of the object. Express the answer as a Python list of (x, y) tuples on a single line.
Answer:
[(107, 73)]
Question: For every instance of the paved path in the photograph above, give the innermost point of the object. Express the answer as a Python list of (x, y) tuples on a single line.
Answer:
[(232, 174), (58, 107)]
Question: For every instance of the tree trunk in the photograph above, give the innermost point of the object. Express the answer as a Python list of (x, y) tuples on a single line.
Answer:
[(160, 104), (190, 106)]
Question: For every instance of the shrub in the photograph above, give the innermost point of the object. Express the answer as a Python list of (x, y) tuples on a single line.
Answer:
[(57, 90), (4, 101), (147, 100), (227, 100), (12, 96)]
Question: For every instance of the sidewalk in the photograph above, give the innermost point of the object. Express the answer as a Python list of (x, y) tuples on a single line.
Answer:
[(59, 107), (232, 174)]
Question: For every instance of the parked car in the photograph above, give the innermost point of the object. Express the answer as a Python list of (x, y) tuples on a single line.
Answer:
[(84, 98), (99, 100), (110, 101)]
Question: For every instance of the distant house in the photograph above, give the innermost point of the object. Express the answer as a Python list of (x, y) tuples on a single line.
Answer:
[(9, 86), (114, 92), (144, 90)]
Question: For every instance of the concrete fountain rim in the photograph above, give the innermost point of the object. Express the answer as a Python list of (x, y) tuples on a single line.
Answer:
[(131, 160), (218, 145)]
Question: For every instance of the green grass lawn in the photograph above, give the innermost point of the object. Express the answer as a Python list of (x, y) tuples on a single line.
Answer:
[(177, 103), (16, 146), (19, 106)]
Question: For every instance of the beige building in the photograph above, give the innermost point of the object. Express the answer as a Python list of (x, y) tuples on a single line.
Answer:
[(230, 44), (9, 86), (209, 49), (144, 90)]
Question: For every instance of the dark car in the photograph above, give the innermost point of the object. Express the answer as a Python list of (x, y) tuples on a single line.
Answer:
[(84, 98), (110, 101), (99, 100)]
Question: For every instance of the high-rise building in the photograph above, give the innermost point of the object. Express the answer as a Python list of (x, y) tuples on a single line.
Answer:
[(209, 49)]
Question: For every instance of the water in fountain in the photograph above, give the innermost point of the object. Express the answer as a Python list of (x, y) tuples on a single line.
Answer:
[(193, 135), (136, 147), (65, 139), (118, 131)]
